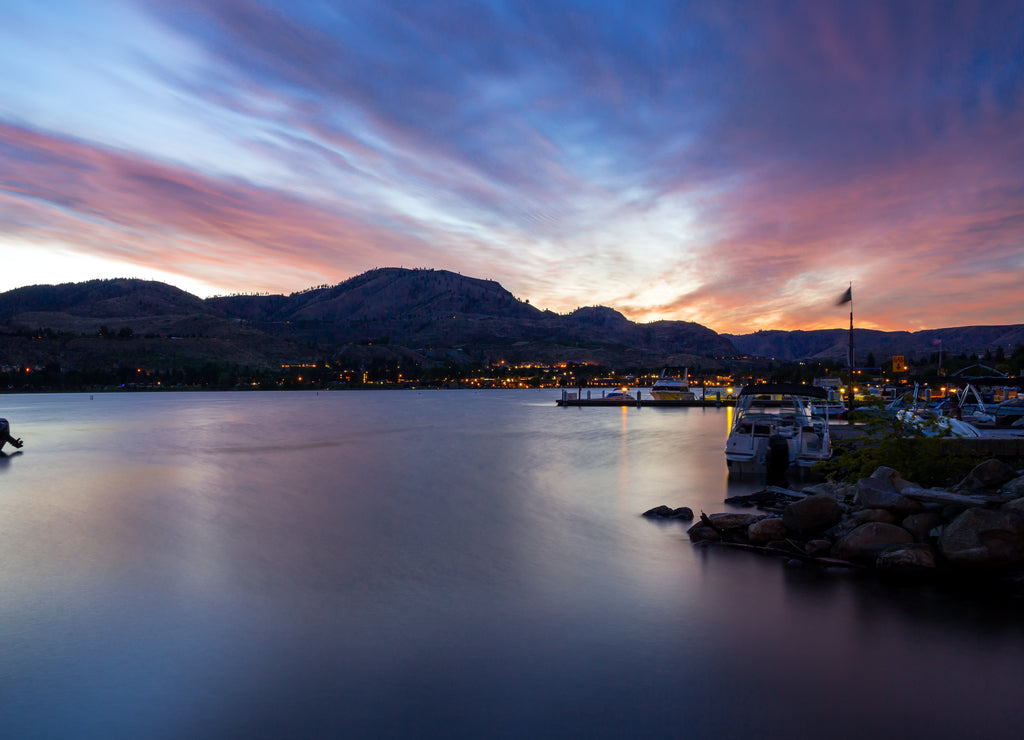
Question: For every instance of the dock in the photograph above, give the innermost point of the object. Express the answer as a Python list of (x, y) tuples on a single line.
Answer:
[(574, 399)]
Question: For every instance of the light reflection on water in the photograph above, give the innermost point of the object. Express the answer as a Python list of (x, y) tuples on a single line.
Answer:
[(437, 563)]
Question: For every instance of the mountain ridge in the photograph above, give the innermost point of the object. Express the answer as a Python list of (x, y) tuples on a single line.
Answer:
[(419, 315)]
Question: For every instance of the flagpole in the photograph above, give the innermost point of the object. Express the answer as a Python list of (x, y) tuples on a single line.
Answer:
[(849, 355)]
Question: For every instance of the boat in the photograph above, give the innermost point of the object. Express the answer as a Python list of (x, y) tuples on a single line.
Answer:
[(621, 395), (671, 388), (1009, 413), (833, 406), (775, 416), (933, 423), (969, 406)]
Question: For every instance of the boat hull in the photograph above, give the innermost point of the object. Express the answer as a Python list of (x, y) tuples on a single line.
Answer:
[(659, 395)]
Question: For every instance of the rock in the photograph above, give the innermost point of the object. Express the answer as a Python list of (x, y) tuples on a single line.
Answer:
[(907, 559), (865, 543), (659, 512), (986, 475), (817, 548), (984, 538), (873, 515), (1014, 507), (812, 514), (733, 522), (892, 477), (952, 511), (767, 530), (684, 513), (701, 532), (863, 516), (847, 492), (827, 487), (920, 525), (1015, 487), (879, 493)]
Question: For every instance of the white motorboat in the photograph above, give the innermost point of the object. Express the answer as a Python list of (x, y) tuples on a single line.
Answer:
[(833, 407), (770, 417), (915, 413), (932, 423), (621, 395), (671, 388)]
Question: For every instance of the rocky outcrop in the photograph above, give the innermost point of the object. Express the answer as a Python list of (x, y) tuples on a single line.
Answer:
[(684, 513), (886, 523)]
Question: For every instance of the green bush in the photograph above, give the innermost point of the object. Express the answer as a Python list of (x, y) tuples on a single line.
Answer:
[(926, 460)]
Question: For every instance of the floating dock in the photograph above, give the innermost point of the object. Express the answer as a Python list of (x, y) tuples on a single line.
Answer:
[(574, 399)]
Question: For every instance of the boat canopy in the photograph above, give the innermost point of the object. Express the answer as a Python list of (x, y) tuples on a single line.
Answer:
[(784, 389)]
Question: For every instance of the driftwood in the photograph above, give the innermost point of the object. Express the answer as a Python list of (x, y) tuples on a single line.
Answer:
[(786, 491), (794, 553), (932, 495)]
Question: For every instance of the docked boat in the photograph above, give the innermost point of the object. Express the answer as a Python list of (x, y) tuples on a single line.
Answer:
[(621, 395), (772, 417), (671, 388), (833, 406), (933, 423), (969, 406)]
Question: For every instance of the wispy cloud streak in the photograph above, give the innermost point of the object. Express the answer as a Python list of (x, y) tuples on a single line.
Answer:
[(729, 163)]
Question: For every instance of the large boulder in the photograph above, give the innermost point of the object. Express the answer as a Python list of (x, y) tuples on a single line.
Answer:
[(879, 493), (812, 514), (1014, 507), (658, 512), (767, 530), (868, 541), (984, 538), (684, 513), (702, 532), (1015, 487), (988, 475)]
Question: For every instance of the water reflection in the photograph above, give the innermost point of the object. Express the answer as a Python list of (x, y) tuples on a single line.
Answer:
[(210, 565)]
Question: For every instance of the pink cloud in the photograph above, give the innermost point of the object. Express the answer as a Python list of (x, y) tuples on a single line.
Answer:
[(119, 205)]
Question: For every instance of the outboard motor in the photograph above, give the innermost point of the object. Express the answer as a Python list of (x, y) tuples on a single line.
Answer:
[(777, 461)]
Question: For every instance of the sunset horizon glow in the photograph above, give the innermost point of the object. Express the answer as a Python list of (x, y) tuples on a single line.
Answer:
[(738, 164)]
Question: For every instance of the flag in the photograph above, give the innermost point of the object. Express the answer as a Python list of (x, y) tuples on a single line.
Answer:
[(846, 297)]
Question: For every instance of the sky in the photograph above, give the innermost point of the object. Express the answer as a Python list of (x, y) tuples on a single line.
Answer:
[(737, 164)]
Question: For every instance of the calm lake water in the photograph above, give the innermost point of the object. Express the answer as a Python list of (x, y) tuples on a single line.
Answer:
[(440, 564)]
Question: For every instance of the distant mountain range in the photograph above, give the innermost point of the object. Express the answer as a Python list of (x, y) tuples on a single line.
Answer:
[(832, 344), (426, 316)]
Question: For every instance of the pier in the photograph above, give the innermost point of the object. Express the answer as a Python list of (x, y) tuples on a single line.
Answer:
[(577, 399)]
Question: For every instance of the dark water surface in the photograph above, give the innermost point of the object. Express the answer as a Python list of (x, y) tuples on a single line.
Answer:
[(439, 564)]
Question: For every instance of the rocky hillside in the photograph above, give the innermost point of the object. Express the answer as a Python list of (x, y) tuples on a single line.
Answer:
[(420, 315), (436, 311)]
